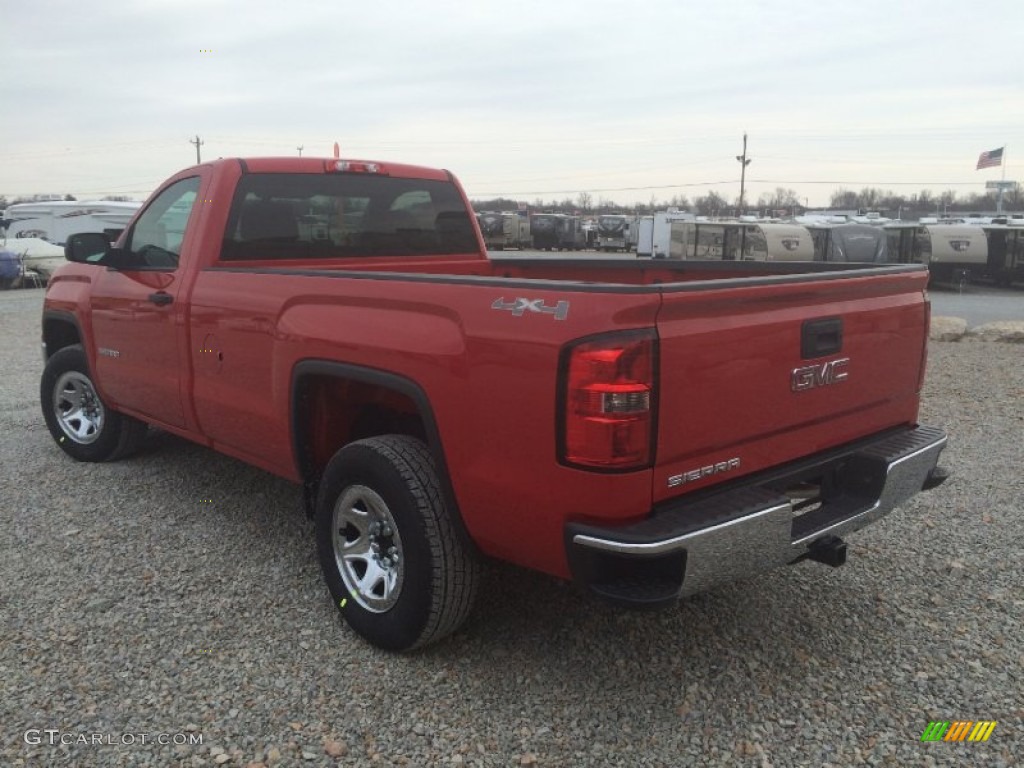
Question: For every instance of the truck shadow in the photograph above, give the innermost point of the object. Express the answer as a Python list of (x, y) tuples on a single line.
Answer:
[(534, 636)]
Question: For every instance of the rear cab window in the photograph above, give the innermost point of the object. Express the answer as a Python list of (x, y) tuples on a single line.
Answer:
[(323, 216)]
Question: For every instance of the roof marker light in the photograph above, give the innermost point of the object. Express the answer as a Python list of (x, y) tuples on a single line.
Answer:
[(351, 166)]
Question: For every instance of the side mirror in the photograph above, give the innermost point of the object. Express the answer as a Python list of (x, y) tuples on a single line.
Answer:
[(87, 247)]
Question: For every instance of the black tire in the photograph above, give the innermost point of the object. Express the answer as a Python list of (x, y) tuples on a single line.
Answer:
[(101, 434), (391, 480)]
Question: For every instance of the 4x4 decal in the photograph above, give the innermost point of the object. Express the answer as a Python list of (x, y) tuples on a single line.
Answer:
[(520, 306)]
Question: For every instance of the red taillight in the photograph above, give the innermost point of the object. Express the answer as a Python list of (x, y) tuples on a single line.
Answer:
[(608, 401)]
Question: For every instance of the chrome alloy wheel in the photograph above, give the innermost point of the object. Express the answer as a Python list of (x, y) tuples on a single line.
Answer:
[(77, 407), (367, 549)]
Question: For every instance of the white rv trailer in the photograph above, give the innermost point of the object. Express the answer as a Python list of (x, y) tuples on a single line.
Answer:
[(654, 233), (56, 220), (960, 252), (953, 252), (740, 241), (645, 237)]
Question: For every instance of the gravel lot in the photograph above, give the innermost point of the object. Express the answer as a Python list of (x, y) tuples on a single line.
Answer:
[(178, 593)]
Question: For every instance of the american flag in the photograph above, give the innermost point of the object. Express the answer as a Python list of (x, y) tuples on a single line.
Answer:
[(990, 159)]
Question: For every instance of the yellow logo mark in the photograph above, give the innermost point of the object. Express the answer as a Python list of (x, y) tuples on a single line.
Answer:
[(962, 729)]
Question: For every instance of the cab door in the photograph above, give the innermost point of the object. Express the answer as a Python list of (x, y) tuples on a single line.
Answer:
[(138, 324)]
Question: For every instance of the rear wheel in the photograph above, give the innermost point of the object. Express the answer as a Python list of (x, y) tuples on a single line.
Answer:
[(81, 423), (393, 560)]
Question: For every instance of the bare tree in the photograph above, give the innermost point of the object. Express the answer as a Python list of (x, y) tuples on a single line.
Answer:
[(711, 204), (584, 200), (780, 198), (843, 198)]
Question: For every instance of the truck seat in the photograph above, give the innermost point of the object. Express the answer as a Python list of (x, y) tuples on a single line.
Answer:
[(266, 220)]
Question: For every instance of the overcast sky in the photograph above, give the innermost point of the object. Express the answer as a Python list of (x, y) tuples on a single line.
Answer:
[(519, 98)]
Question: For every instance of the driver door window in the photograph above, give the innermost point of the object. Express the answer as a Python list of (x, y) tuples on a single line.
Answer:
[(156, 238)]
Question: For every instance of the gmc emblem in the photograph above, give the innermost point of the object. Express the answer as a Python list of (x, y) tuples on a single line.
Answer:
[(812, 376)]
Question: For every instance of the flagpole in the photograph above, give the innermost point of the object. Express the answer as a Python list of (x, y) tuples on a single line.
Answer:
[(999, 200)]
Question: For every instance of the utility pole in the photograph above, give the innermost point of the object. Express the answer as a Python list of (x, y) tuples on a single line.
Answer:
[(744, 162), (300, 148), (198, 144)]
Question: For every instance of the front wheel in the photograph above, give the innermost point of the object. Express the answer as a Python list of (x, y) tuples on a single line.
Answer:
[(394, 562), (81, 423)]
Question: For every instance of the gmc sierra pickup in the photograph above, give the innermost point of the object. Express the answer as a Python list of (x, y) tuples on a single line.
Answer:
[(647, 429)]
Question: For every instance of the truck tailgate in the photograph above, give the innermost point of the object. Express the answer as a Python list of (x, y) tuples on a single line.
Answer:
[(752, 376)]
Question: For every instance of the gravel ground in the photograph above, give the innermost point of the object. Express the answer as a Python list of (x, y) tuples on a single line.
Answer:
[(177, 593)]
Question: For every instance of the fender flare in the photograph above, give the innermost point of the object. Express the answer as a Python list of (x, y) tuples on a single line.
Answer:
[(67, 318), (395, 382)]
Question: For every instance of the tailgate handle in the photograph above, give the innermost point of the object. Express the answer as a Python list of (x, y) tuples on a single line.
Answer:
[(821, 337)]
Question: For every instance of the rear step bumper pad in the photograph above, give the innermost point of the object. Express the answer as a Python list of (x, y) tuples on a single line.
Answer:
[(691, 545)]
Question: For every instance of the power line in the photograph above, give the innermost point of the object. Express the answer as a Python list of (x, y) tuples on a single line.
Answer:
[(733, 181)]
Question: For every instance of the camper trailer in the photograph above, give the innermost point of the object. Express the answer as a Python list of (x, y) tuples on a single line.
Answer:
[(903, 242), (616, 232), (644, 237), (572, 237), (850, 242), (56, 220), (504, 230), (544, 230), (1005, 262), (740, 241), (953, 252), (654, 238), (557, 231)]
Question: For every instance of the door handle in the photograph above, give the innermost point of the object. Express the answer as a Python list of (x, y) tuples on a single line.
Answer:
[(160, 298)]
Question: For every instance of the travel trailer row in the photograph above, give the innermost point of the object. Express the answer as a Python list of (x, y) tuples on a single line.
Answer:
[(542, 231), (976, 248), (953, 252)]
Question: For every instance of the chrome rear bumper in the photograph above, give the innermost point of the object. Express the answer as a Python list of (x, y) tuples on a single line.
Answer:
[(696, 543)]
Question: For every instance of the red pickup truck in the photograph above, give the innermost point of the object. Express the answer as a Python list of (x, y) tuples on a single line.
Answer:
[(648, 429)]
